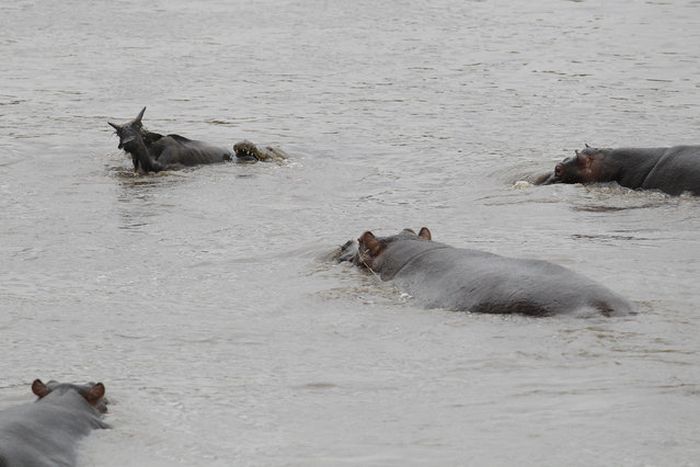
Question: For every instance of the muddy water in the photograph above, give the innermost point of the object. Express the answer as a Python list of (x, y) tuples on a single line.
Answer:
[(202, 300)]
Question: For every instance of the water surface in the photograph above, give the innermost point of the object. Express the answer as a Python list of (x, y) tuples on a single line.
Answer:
[(201, 298)]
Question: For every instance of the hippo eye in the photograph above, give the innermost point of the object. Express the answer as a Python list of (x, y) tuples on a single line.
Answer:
[(558, 170), (581, 157)]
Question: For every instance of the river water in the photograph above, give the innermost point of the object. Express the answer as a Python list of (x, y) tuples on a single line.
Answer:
[(203, 299)]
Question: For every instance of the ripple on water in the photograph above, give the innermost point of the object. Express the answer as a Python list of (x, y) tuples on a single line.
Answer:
[(197, 295)]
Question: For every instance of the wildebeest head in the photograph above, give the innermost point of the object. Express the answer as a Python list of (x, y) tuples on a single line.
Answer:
[(368, 247), (93, 393), (127, 131)]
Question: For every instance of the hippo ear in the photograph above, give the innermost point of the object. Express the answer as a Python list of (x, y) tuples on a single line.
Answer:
[(369, 241), (40, 389), (95, 393), (425, 234)]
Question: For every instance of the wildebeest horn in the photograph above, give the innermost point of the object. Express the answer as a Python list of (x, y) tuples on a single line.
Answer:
[(140, 116), (114, 125), (583, 143)]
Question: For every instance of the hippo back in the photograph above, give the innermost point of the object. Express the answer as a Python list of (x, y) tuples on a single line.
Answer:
[(632, 165), (401, 252), (473, 280), (677, 171)]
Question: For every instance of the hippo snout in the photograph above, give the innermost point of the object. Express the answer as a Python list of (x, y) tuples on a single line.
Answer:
[(547, 179), (347, 251), (552, 177)]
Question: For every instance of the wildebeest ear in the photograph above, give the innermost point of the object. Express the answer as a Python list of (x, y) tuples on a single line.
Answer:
[(140, 116), (40, 389), (114, 125), (95, 393), (425, 234), (369, 241)]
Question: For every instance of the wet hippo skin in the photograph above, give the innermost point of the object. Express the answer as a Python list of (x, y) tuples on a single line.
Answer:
[(438, 275), (672, 170), (45, 433)]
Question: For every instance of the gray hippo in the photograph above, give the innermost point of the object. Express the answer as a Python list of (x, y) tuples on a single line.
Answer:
[(438, 275), (45, 433), (153, 152), (672, 170)]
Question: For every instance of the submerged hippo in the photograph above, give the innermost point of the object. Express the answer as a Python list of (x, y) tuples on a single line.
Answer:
[(153, 152), (672, 170), (45, 433), (438, 275)]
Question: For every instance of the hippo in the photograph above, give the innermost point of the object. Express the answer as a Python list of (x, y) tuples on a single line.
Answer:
[(45, 433), (153, 152), (440, 276), (673, 170)]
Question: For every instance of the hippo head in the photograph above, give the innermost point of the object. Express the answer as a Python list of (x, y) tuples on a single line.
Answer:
[(368, 247), (127, 131), (93, 393), (584, 166)]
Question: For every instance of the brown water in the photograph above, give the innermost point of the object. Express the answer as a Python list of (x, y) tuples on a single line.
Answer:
[(201, 298)]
